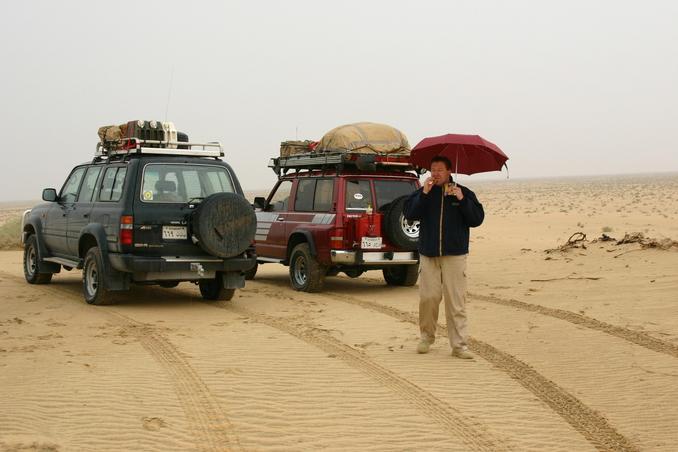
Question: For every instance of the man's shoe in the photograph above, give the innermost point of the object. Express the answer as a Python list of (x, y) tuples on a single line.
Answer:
[(462, 353), (423, 347)]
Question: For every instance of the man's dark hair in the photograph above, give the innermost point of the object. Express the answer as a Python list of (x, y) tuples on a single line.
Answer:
[(442, 158)]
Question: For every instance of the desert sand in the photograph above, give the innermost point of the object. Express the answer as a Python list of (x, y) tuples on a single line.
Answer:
[(576, 348)]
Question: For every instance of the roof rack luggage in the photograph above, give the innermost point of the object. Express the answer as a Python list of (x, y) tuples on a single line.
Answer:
[(132, 146), (339, 161)]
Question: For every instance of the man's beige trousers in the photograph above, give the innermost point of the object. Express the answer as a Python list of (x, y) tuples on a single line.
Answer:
[(443, 277)]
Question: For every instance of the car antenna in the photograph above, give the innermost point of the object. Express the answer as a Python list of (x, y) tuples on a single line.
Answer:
[(169, 92)]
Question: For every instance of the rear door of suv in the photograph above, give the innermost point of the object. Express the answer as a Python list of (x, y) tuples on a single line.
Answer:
[(166, 195)]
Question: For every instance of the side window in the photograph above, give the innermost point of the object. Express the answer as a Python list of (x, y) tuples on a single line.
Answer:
[(70, 190), (281, 198), (111, 186), (89, 184), (358, 194), (107, 184), (324, 189), (116, 193), (304, 199)]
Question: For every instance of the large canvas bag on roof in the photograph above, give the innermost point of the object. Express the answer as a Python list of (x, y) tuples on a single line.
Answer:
[(366, 138)]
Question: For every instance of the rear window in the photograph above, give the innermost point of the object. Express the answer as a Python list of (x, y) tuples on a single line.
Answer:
[(180, 183), (358, 194), (388, 190)]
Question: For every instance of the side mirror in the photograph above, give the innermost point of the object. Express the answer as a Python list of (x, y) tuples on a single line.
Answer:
[(259, 202), (49, 195)]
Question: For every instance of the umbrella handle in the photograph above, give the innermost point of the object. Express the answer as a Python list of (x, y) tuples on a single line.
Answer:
[(456, 169)]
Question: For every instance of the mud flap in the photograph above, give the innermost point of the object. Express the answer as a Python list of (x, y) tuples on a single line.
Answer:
[(233, 280), (116, 280)]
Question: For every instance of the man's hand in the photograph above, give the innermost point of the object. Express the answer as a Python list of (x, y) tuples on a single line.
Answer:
[(428, 185), (454, 190)]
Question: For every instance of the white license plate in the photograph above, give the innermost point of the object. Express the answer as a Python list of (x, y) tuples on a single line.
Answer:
[(370, 243), (174, 233)]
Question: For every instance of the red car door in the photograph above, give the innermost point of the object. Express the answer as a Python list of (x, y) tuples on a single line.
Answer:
[(271, 241)]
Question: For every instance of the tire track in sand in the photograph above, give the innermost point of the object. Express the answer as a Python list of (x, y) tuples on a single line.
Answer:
[(474, 435), (629, 335), (210, 427), (589, 423)]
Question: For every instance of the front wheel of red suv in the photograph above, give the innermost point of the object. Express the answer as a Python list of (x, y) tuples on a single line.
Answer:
[(306, 273)]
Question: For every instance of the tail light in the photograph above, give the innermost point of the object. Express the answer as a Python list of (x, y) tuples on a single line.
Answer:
[(126, 229), (337, 238)]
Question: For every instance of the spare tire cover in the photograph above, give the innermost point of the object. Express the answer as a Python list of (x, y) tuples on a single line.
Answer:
[(224, 224), (403, 234)]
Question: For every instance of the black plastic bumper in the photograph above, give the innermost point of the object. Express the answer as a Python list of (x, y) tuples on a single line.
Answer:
[(130, 263)]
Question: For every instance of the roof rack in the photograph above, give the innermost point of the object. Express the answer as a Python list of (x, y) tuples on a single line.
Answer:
[(340, 160), (132, 146)]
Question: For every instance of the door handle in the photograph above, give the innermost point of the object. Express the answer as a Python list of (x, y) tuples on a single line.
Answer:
[(281, 219)]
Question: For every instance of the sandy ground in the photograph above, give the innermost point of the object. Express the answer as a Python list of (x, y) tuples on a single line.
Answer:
[(575, 350)]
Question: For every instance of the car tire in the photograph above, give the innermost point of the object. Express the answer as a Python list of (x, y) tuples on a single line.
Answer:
[(249, 274), (306, 273), (402, 233), (224, 224), (401, 275), (94, 279), (32, 263), (168, 284), (354, 273), (214, 290)]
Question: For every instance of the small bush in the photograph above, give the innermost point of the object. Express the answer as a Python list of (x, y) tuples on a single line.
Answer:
[(607, 229), (10, 234)]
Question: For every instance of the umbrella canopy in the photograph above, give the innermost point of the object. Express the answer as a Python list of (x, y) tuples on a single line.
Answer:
[(469, 154)]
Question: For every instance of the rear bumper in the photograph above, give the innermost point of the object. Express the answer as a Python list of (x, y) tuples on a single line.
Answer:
[(192, 267), (377, 258)]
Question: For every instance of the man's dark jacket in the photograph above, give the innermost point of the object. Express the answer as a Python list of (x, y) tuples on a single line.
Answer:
[(458, 217)]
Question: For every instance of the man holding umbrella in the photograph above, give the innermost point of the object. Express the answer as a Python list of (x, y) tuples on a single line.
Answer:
[(446, 211)]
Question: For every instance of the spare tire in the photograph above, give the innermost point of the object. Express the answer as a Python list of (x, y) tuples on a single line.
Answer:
[(224, 224), (402, 233)]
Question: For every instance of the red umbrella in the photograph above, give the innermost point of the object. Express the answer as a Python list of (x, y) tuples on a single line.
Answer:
[(469, 154)]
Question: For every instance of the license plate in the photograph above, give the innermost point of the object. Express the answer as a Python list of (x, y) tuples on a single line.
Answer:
[(174, 233), (370, 243)]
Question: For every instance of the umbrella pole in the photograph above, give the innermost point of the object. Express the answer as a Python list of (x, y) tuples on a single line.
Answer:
[(456, 170)]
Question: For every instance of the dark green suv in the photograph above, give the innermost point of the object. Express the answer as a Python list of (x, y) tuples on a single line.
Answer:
[(144, 214)]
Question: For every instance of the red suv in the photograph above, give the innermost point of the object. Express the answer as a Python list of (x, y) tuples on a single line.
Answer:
[(339, 213)]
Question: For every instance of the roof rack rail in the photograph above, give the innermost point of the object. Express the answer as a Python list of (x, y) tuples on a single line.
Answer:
[(340, 160), (132, 146)]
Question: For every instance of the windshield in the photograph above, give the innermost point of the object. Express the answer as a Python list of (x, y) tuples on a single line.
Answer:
[(180, 183)]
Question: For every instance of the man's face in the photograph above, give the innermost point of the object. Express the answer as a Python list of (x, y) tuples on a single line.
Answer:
[(440, 173)]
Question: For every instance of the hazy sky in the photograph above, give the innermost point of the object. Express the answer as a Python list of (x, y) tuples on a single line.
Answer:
[(564, 88)]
